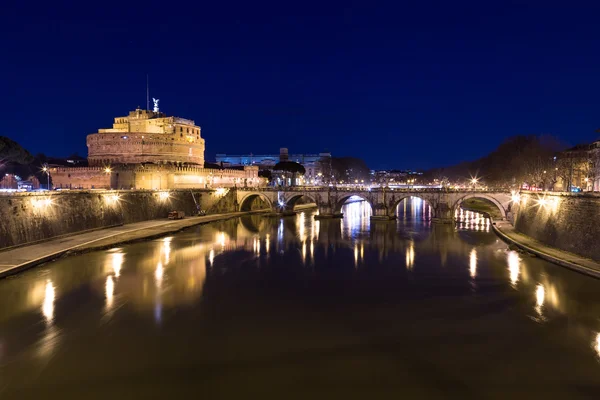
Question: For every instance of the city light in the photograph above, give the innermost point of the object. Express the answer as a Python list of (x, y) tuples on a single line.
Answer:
[(163, 196), (112, 199), (42, 204), (220, 191), (107, 170), (515, 197)]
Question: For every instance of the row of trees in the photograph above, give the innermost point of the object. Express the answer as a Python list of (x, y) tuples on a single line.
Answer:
[(533, 160)]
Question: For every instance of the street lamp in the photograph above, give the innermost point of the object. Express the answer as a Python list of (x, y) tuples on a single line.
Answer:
[(47, 171)]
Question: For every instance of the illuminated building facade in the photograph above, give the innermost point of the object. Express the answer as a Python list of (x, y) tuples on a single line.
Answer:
[(149, 150)]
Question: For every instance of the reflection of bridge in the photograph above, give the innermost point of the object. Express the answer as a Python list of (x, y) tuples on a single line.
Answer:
[(383, 201)]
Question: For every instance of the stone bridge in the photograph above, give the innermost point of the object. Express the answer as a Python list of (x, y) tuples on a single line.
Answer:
[(383, 201)]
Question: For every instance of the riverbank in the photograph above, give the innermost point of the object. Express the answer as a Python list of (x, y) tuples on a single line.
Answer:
[(21, 258), (563, 258)]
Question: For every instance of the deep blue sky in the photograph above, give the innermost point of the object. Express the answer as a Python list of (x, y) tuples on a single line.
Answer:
[(401, 84)]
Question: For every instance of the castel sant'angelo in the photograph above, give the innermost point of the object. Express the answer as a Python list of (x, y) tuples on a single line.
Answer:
[(149, 150)]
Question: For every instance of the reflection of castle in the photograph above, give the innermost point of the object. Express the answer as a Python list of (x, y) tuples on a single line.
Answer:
[(149, 150)]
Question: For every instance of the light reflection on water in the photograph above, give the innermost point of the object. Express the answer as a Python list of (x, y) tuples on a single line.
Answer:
[(154, 279)]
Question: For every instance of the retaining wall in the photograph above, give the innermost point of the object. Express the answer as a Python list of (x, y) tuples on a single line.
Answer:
[(29, 217), (565, 221)]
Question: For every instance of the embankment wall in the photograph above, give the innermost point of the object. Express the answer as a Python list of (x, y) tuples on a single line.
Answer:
[(565, 221), (30, 217)]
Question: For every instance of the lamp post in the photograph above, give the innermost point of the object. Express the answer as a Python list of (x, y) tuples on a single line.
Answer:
[(47, 171)]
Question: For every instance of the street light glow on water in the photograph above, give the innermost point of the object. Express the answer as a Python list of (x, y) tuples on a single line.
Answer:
[(342, 298)]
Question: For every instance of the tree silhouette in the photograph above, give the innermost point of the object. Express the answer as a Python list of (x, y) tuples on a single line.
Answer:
[(11, 151), (291, 167)]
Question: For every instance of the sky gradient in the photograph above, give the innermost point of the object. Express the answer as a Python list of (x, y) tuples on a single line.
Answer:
[(422, 85)]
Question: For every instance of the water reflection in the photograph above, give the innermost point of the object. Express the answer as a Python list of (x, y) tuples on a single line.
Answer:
[(473, 263), (110, 290), (357, 218), (363, 259), (48, 304), (470, 220), (410, 255), (514, 267), (413, 208), (540, 297)]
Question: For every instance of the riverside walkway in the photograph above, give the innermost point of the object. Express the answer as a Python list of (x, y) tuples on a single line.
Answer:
[(563, 258), (20, 258)]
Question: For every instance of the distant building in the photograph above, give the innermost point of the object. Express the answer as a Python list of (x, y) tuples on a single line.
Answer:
[(9, 182), (394, 176), (578, 168), (31, 183), (314, 164)]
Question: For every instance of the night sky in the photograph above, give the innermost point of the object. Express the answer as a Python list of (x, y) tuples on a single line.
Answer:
[(401, 84)]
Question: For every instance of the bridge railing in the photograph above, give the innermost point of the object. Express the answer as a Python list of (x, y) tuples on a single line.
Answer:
[(371, 189)]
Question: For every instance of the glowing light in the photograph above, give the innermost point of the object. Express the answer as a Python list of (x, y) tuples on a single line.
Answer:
[(109, 289), (220, 191), (355, 254), (473, 263), (211, 256), (410, 255), (117, 263), (42, 204), (107, 170), (167, 249), (222, 239), (596, 344), (48, 304), (303, 252), (112, 198), (267, 242), (515, 197), (312, 250), (540, 296), (159, 273), (542, 202), (514, 267), (164, 196)]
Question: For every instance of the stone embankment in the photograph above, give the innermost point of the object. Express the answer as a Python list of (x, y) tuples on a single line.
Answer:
[(20, 258)]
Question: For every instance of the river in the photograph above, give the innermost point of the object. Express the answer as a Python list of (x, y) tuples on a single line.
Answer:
[(293, 308)]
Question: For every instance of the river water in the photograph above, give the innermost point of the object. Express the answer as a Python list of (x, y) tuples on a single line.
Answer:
[(298, 308)]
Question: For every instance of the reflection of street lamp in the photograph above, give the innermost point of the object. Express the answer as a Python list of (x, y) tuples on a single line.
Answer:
[(47, 171)]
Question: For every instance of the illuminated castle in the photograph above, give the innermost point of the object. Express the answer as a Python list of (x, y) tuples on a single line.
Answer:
[(147, 136), (149, 150)]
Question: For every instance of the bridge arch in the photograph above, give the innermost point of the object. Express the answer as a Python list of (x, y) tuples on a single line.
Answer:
[(345, 197), (246, 201), (290, 202), (490, 199), (394, 205)]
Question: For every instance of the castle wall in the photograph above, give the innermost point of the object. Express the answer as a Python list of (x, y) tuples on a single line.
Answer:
[(80, 178), (130, 148), (154, 177)]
